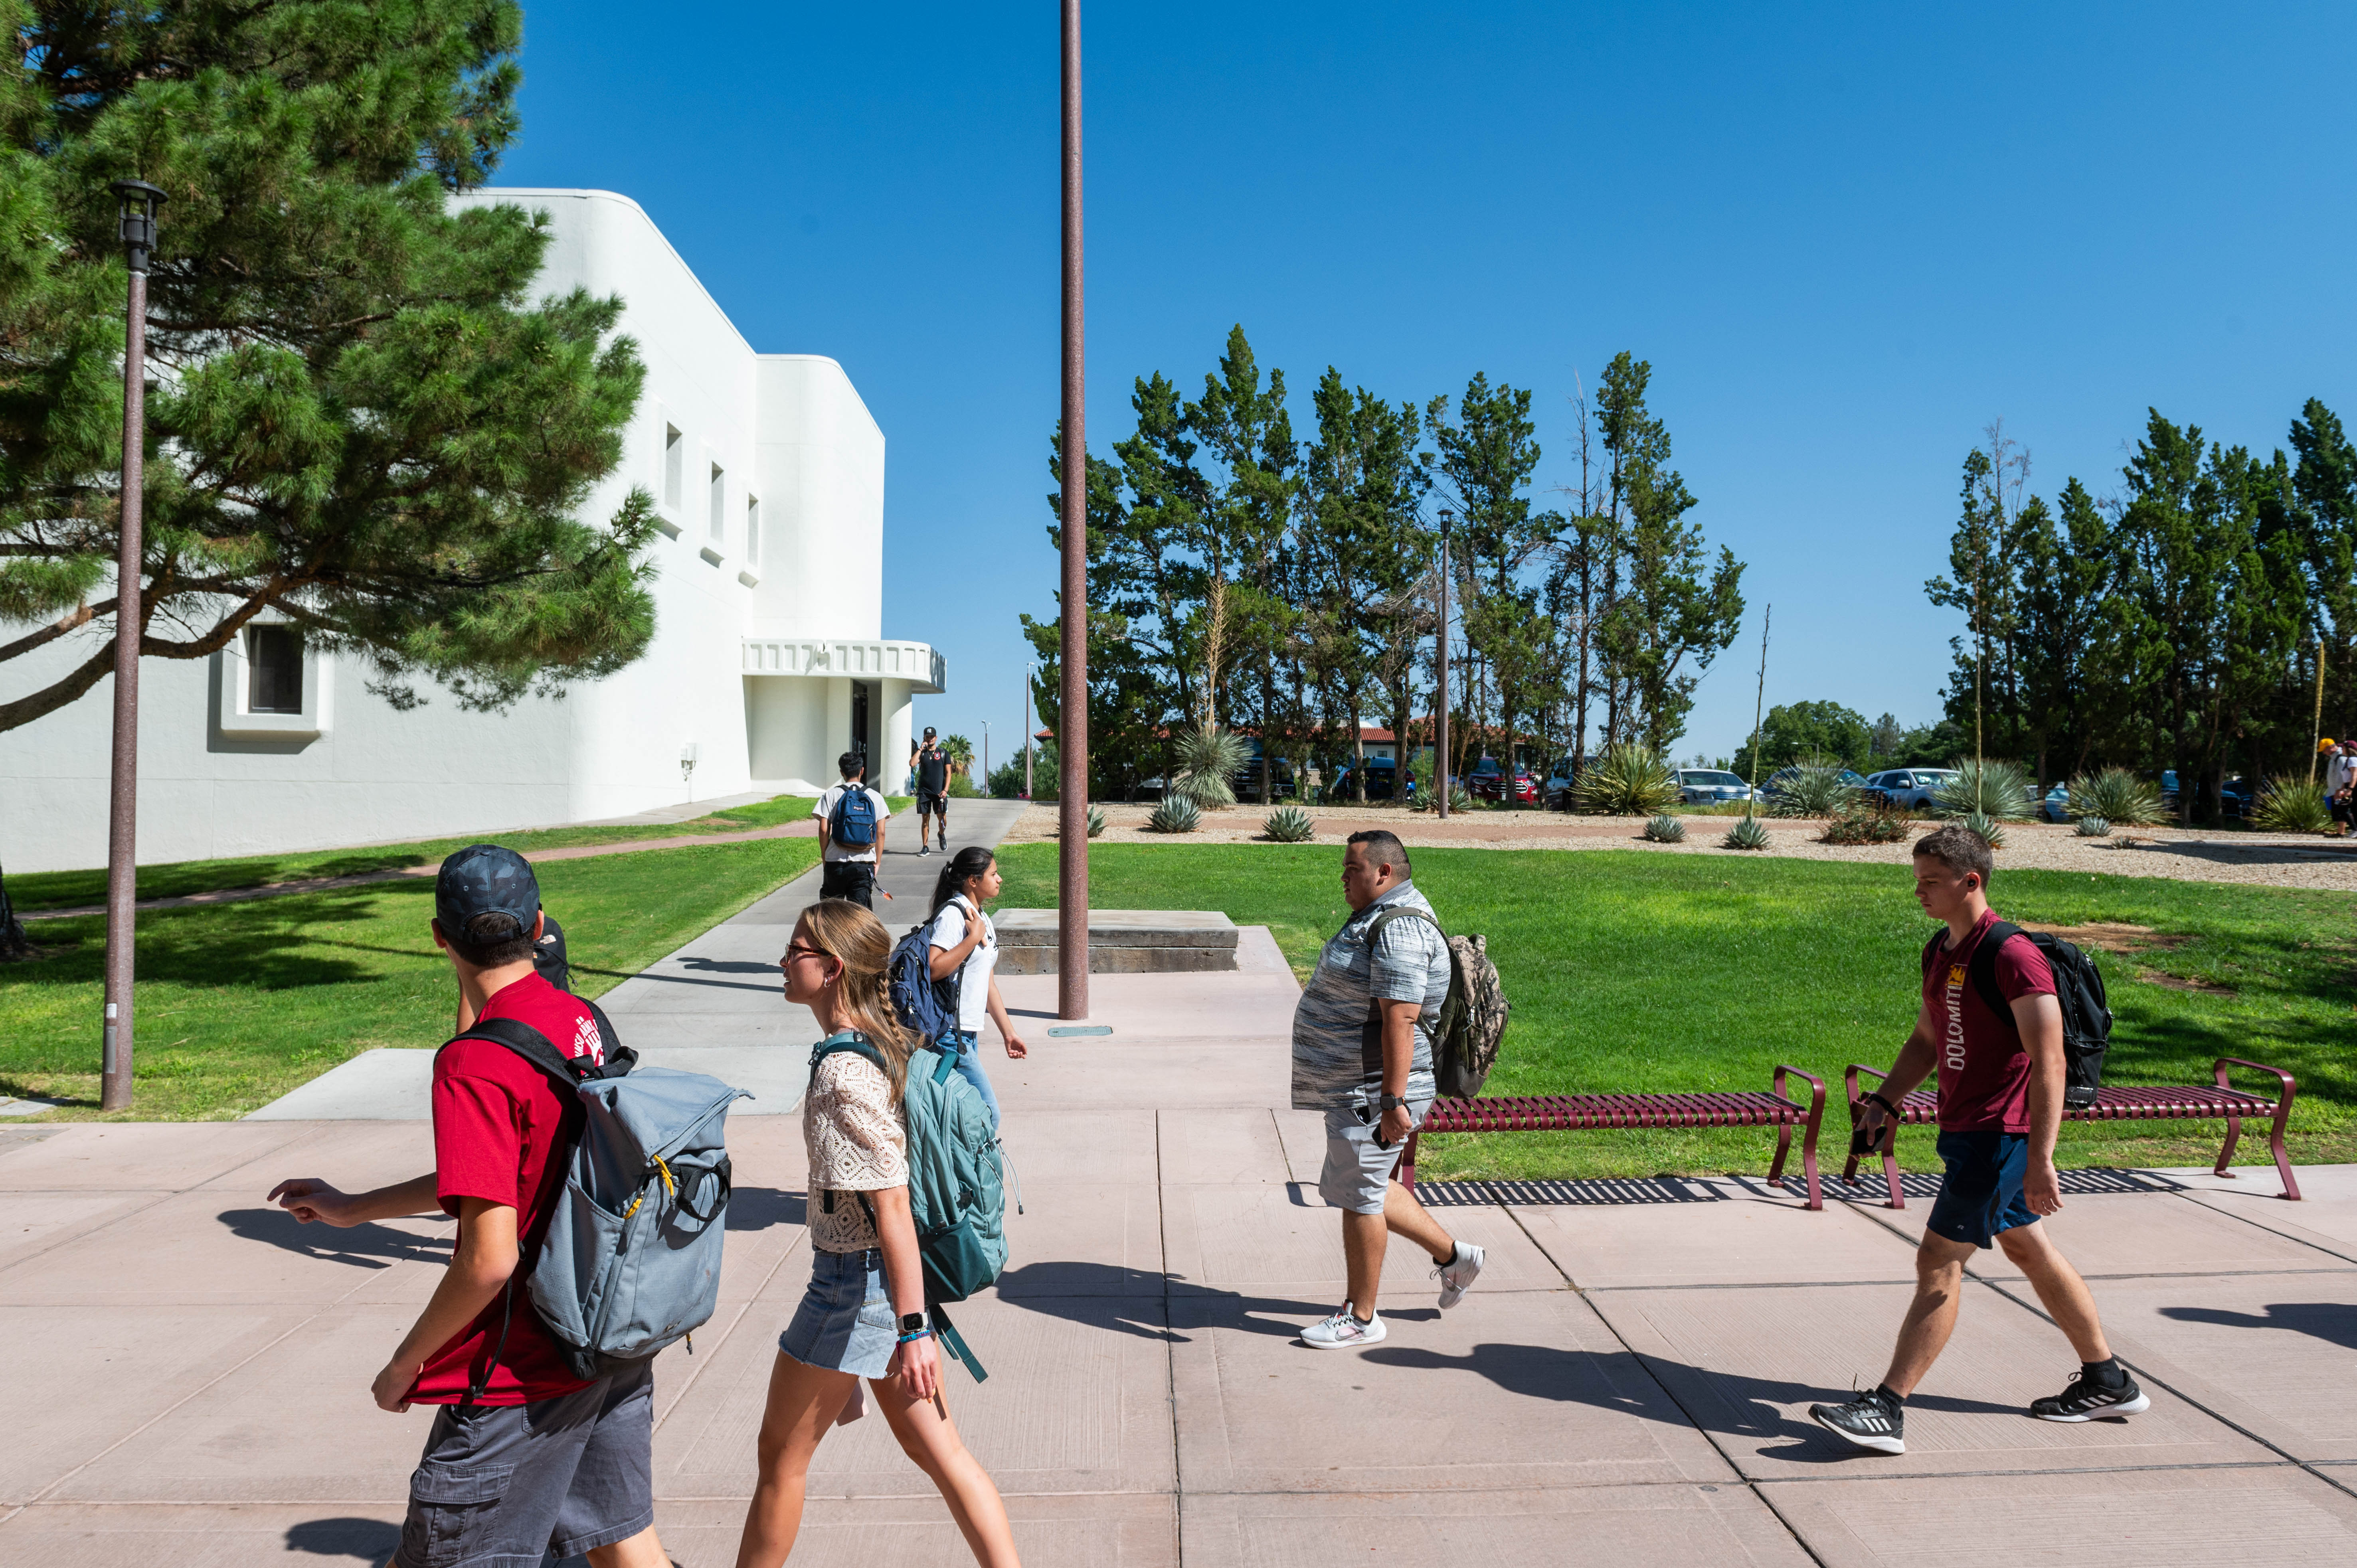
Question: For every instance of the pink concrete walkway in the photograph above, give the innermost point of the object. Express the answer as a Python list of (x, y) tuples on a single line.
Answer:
[(1626, 1384)]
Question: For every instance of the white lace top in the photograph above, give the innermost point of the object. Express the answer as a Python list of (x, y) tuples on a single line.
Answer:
[(857, 1142)]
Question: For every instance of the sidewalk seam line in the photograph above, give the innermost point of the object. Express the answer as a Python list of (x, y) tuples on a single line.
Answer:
[(1170, 1351)]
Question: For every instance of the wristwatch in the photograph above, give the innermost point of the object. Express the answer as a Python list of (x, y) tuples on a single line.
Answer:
[(911, 1322), (1393, 1102)]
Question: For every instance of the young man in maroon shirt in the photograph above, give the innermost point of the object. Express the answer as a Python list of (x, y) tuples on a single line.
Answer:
[(2001, 1080), (524, 1456)]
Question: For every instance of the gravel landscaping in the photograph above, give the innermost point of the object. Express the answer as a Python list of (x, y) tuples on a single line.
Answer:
[(2280, 860)]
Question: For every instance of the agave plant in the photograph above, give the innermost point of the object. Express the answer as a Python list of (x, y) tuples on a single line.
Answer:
[(1096, 823), (2094, 828), (1289, 824), (1626, 781), (1666, 828), (1861, 821), (1176, 814), (1208, 758), (2291, 804), (1749, 834), (1987, 826), (2117, 796), (1999, 790), (1460, 799), (1815, 788)]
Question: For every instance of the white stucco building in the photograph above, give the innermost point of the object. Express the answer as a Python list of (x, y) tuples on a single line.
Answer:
[(769, 659)]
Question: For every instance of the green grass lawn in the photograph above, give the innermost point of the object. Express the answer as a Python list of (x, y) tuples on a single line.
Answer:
[(240, 1003), (1631, 972), (71, 889)]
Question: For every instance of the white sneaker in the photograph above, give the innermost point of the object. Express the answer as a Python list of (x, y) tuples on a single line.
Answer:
[(1457, 1274), (1344, 1332)]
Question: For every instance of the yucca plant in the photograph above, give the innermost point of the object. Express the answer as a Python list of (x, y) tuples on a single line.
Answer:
[(1175, 814), (1666, 828), (2094, 828), (1208, 758), (2291, 804), (1815, 788), (1289, 824), (1749, 834), (1460, 799), (1987, 826), (1627, 780), (2117, 796), (1861, 821), (1999, 791), (1096, 823)]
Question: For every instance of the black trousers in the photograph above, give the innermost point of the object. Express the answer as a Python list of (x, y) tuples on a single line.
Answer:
[(851, 879)]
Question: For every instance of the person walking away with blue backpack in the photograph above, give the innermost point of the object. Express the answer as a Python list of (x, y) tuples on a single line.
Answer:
[(864, 1314), (851, 823), (2003, 1077), (526, 1456), (965, 944)]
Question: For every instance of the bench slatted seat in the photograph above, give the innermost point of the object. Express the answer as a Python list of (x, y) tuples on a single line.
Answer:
[(2132, 1102), (1573, 1112)]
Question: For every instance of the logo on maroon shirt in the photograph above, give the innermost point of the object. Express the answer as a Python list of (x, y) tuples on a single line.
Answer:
[(1955, 1042), (587, 1042)]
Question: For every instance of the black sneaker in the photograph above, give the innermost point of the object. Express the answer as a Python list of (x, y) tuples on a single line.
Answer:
[(2087, 1400), (1873, 1420)]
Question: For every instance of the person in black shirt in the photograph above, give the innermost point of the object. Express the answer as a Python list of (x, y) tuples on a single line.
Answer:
[(548, 954), (932, 765)]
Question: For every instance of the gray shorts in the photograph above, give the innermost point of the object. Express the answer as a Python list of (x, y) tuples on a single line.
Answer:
[(500, 1486), (1358, 1172)]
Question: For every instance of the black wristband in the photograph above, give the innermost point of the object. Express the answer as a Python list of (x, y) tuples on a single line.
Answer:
[(1887, 1108), (1393, 1102)]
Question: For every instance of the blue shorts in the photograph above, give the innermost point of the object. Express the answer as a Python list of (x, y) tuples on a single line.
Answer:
[(1981, 1194), (845, 1322)]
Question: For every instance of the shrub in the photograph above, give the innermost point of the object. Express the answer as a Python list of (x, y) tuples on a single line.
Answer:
[(1985, 825), (1625, 781), (2291, 804), (1460, 799), (1289, 824), (1175, 814), (1860, 820), (2094, 828), (1815, 788), (1749, 834), (1999, 790), (1666, 828), (1208, 759), (1096, 823), (962, 787), (2117, 796)]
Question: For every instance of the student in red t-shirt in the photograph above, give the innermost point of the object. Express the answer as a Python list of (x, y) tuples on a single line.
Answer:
[(2000, 1080), (524, 1458)]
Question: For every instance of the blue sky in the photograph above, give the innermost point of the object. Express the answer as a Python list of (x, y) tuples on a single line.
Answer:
[(1847, 237)]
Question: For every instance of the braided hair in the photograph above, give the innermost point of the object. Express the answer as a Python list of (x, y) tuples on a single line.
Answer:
[(857, 939)]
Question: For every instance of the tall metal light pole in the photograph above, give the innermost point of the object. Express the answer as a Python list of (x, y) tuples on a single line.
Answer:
[(137, 202), (1073, 727), (1440, 664)]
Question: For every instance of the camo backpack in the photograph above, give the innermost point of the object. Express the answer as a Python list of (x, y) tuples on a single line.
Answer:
[(1473, 1017)]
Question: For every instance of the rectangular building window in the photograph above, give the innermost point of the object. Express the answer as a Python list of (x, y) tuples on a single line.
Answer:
[(752, 530), (674, 454), (274, 657), (719, 502)]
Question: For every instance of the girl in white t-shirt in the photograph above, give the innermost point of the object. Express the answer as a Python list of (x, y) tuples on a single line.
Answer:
[(965, 944)]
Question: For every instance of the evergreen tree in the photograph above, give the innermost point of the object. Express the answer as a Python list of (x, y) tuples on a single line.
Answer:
[(357, 415)]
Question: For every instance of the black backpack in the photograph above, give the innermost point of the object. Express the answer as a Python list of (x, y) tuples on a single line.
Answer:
[(2078, 989)]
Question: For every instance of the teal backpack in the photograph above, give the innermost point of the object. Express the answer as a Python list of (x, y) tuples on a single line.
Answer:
[(957, 1188)]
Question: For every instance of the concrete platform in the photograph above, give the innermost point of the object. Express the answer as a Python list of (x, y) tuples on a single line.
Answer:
[(1121, 941)]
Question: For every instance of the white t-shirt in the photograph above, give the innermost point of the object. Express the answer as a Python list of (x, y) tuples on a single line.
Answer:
[(973, 976), (825, 813), (2337, 772)]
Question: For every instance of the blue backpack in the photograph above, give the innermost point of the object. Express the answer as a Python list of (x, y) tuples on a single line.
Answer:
[(928, 1007), (854, 817), (627, 1260), (957, 1185)]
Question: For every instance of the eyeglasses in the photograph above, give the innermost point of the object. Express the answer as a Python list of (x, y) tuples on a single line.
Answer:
[(803, 949)]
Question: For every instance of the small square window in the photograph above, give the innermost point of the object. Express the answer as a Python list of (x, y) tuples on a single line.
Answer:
[(719, 502), (274, 657), (674, 454), (752, 530)]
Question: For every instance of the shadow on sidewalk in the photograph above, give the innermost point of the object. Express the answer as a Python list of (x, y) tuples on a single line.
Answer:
[(370, 1540), (361, 1246), (1153, 1306), (2330, 1322)]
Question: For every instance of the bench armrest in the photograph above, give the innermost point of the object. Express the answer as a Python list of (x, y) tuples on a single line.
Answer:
[(2290, 1085), (1849, 1082), (1816, 1085)]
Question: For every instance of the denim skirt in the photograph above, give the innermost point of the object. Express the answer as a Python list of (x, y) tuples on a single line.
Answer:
[(845, 1321)]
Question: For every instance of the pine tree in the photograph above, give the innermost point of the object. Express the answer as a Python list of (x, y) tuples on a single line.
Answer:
[(357, 417)]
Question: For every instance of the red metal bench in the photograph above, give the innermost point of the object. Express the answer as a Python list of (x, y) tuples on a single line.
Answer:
[(1562, 1113), (2201, 1102)]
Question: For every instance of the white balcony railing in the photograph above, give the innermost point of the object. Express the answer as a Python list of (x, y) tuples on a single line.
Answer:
[(853, 657)]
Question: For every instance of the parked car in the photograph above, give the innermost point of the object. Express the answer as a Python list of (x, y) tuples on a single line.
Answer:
[(1492, 780), (2235, 797), (1910, 787), (1556, 791), (1382, 781), (2058, 803), (1777, 781), (1708, 786), (1246, 781)]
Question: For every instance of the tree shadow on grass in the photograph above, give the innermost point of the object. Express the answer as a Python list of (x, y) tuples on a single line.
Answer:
[(361, 1245)]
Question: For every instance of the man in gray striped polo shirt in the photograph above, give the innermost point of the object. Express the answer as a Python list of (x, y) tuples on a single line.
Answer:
[(1362, 1053)]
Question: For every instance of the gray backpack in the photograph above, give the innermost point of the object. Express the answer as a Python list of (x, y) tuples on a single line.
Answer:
[(628, 1258)]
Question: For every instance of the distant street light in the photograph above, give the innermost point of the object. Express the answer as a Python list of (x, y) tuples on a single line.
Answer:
[(138, 203)]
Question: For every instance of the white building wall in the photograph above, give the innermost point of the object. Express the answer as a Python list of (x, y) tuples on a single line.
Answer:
[(788, 430)]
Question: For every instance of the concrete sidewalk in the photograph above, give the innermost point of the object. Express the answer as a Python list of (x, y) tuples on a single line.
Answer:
[(1626, 1384)]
